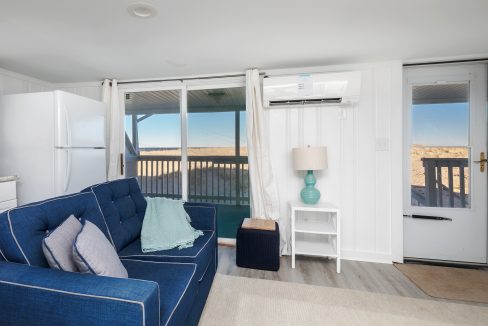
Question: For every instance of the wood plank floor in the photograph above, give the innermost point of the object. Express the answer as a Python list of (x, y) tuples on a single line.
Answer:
[(371, 277)]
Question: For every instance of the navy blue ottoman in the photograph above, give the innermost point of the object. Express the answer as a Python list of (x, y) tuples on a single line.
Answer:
[(258, 249)]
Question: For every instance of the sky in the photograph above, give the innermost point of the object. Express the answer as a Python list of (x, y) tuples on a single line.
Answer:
[(204, 130), (432, 125), (440, 124)]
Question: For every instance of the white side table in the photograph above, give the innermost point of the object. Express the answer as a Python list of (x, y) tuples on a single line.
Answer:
[(315, 231)]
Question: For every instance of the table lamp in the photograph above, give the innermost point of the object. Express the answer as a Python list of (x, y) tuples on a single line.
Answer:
[(310, 159)]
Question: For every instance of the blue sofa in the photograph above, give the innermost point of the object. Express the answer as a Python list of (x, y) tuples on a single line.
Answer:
[(164, 288)]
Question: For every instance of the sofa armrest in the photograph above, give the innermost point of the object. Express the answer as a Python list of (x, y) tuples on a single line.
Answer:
[(35, 295), (203, 216)]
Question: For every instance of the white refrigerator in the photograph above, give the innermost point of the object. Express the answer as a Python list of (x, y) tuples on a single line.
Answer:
[(53, 141)]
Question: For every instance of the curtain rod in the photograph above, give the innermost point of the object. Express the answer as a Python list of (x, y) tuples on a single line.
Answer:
[(181, 79), (263, 74), (443, 62)]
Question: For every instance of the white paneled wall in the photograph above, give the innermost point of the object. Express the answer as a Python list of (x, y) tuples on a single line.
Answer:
[(13, 83), (363, 143), (91, 90)]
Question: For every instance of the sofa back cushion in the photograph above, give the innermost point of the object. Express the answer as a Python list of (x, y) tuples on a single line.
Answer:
[(123, 207), (94, 254), (58, 245), (22, 229)]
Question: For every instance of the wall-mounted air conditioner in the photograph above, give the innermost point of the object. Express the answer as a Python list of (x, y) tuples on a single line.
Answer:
[(338, 88)]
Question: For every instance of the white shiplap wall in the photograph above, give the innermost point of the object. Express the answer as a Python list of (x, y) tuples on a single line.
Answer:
[(91, 90), (13, 83), (364, 149), (364, 156)]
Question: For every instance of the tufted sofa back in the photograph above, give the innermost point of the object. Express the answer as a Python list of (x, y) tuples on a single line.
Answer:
[(22, 229), (123, 207)]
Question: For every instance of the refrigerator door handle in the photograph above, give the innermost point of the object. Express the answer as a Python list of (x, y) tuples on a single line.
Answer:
[(68, 126), (68, 171)]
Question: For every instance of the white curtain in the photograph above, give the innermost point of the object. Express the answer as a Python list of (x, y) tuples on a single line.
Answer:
[(115, 129), (264, 192)]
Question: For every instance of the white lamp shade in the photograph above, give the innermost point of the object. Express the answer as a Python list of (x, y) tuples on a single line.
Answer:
[(310, 158)]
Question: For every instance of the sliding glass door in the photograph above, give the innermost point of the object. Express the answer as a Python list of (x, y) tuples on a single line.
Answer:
[(153, 141), (217, 146), (191, 144), (217, 153)]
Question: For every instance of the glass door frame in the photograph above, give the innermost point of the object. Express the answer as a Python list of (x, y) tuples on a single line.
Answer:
[(183, 86), (163, 86), (208, 85)]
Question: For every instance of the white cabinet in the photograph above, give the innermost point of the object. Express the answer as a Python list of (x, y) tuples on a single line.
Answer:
[(315, 231), (8, 193)]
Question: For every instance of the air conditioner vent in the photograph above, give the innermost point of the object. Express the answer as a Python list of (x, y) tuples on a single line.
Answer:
[(317, 101)]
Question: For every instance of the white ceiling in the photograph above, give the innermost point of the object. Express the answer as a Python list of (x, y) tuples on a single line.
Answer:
[(86, 40)]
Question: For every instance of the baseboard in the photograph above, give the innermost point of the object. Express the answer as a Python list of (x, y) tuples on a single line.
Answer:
[(227, 242), (447, 263), (367, 256)]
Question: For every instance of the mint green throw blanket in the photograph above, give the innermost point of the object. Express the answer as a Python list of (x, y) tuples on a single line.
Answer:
[(166, 225)]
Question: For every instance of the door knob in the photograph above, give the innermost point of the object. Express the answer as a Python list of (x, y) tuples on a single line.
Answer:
[(482, 161)]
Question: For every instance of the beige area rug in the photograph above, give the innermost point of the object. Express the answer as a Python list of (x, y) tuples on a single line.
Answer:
[(245, 301), (448, 282)]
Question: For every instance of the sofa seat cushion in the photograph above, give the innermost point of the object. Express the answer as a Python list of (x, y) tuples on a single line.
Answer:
[(178, 286), (22, 229), (202, 252), (123, 206)]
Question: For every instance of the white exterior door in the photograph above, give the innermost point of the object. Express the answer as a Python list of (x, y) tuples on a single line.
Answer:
[(446, 133)]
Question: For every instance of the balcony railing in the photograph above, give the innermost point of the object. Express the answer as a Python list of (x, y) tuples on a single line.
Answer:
[(212, 179), (438, 194)]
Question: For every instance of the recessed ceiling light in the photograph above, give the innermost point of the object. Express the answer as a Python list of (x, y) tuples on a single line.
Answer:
[(141, 10)]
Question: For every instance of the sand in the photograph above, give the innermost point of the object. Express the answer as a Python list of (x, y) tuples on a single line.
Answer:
[(199, 151), (418, 152), (158, 167)]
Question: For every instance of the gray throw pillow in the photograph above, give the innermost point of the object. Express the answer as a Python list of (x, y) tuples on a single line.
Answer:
[(94, 254), (58, 245)]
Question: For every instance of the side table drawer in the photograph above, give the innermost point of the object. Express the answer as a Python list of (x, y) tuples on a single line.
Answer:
[(5, 205), (7, 191)]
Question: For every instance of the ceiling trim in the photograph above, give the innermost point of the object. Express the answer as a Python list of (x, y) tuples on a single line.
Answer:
[(444, 62), (439, 60), (179, 78)]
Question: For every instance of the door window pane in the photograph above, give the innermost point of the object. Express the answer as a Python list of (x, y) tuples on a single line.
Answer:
[(217, 168), (439, 151), (153, 141), (217, 154)]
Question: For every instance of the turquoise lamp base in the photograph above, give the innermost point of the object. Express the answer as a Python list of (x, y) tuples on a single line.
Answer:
[(310, 195)]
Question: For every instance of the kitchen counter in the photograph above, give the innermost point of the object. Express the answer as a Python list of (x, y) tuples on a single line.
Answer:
[(8, 192), (8, 178)]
